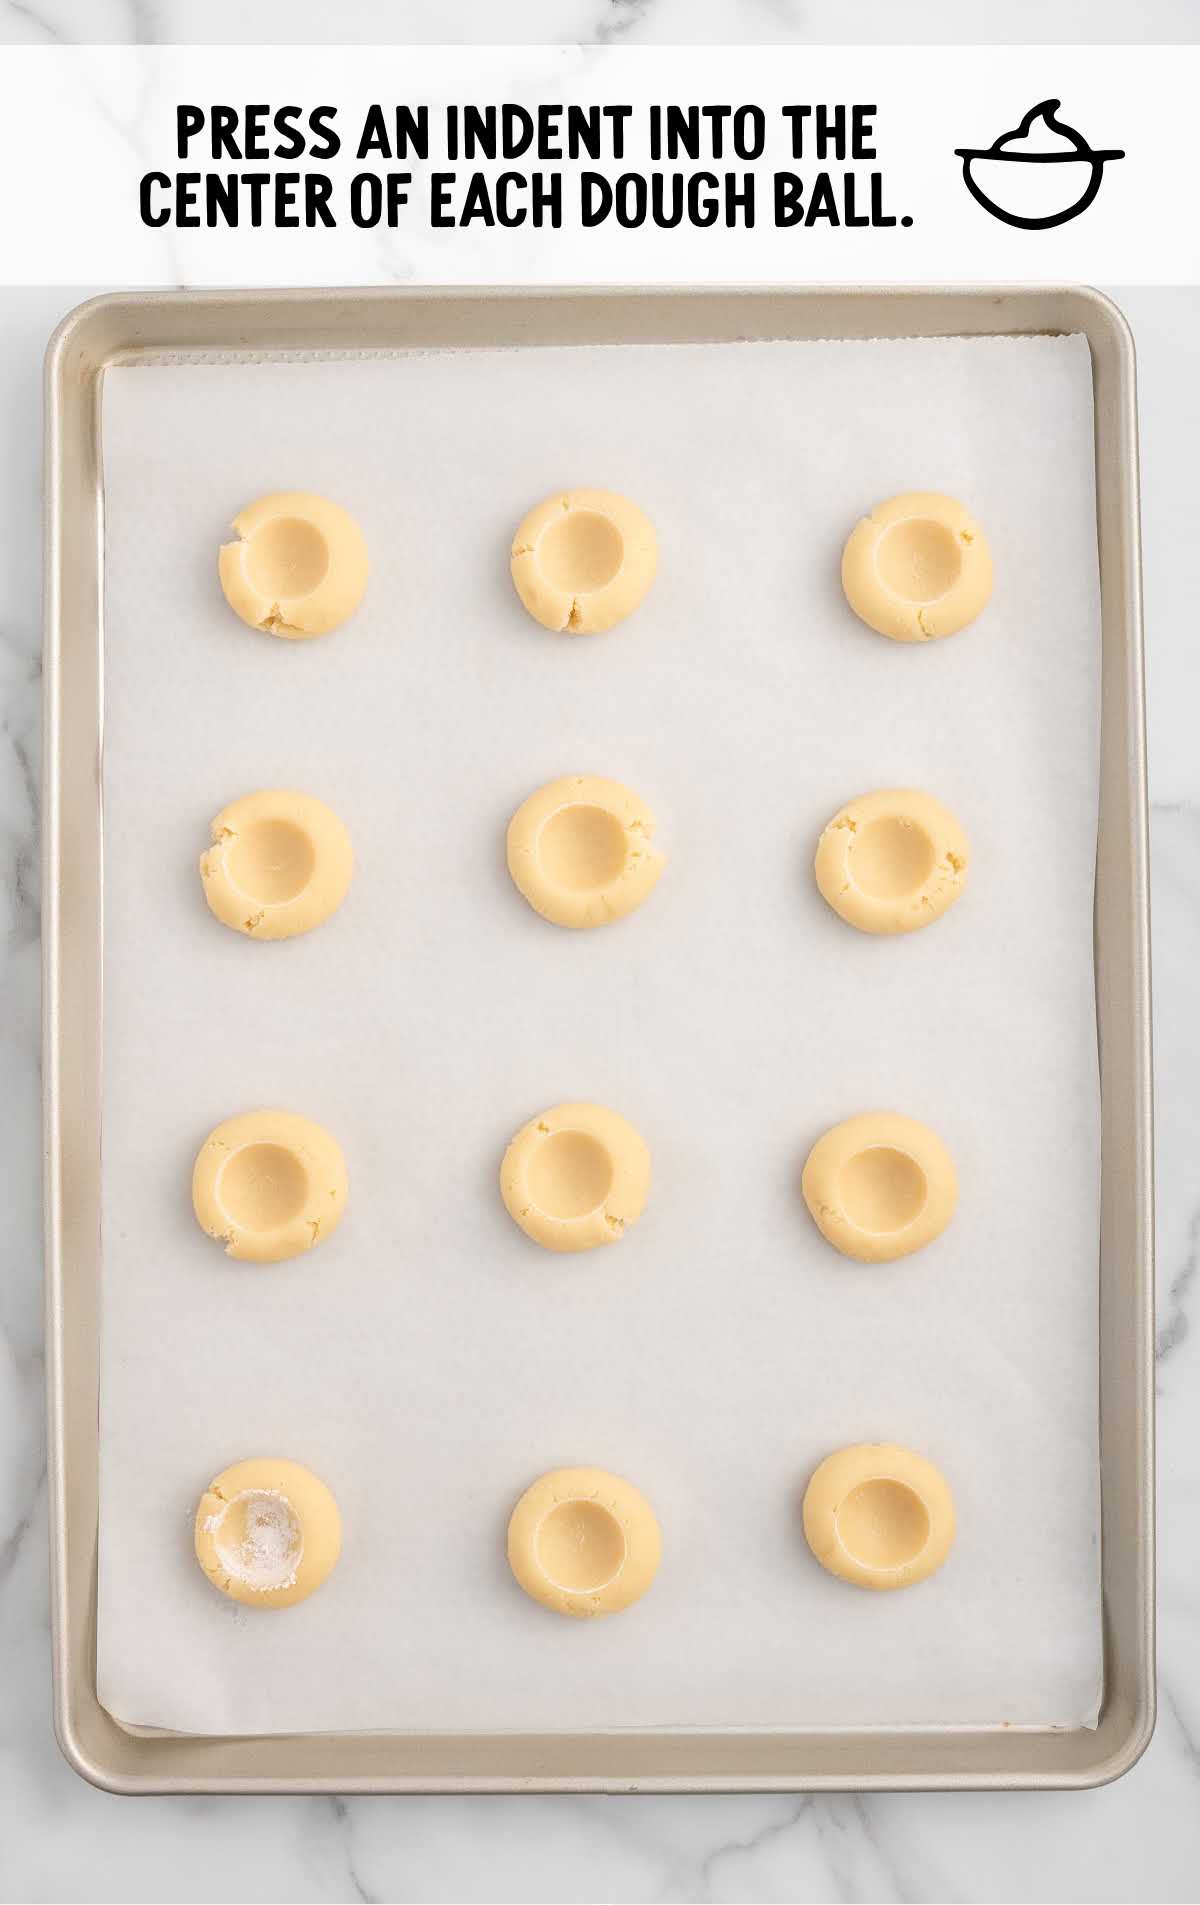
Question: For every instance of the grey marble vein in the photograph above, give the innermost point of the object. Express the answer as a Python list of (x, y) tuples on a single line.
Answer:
[(341, 1814), (1188, 1740), (735, 1851), (1173, 1329), (620, 18)]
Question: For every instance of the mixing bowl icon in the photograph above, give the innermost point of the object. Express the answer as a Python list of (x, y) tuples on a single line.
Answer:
[(1040, 174)]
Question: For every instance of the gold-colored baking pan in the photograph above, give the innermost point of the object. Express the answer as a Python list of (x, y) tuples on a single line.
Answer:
[(120, 329)]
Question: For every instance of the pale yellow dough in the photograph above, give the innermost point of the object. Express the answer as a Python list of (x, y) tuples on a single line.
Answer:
[(917, 568), (580, 851), (267, 1532), (583, 560), (269, 1185), (880, 1186), (879, 1516), (299, 567), (584, 1542), (575, 1177), (280, 864), (892, 861)]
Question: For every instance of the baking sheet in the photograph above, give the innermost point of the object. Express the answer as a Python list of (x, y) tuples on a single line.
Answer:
[(429, 1361)]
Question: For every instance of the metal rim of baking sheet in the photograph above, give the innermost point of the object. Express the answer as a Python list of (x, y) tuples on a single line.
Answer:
[(123, 328)]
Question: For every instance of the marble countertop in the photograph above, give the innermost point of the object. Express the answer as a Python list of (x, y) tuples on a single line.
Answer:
[(597, 22), (1137, 1840)]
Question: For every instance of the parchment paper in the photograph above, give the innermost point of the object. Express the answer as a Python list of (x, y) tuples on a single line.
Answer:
[(429, 1361)]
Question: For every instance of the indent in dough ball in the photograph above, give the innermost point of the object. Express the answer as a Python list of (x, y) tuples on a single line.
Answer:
[(918, 567), (879, 1516), (580, 850), (299, 568), (584, 1542), (280, 864), (880, 1186), (269, 1185), (583, 560), (575, 1177), (892, 861), (268, 1532)]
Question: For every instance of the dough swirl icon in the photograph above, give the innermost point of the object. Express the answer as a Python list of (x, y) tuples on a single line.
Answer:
[(1041, 174)]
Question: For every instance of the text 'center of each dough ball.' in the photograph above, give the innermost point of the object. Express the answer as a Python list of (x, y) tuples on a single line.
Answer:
[(259, 1540), (582, 847), (570, 1174), (287, 557), (891, 858), (882, 1189), (581, 1546), (581, 552), (919, 559), (273, 860), (263, 1186), (883, 1523)]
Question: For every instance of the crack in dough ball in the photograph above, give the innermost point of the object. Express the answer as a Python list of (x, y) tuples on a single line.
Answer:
[(580, 851), (917, 568), (280, 863), (298, 568), (892, 861), (575, 1177), (583, 560), (269, 1185)]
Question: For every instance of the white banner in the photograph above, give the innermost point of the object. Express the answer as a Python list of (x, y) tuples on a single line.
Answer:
[(307, 165)]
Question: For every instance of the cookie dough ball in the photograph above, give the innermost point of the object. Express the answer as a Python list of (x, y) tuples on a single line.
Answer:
[(280, 864), (583, 1542), (892, 861), (580, 851), (299, 568), (879, 1516), (880, 1186), (575, 1177), (269, 1185), (917, 568), (267, 1532), (583, 560)]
